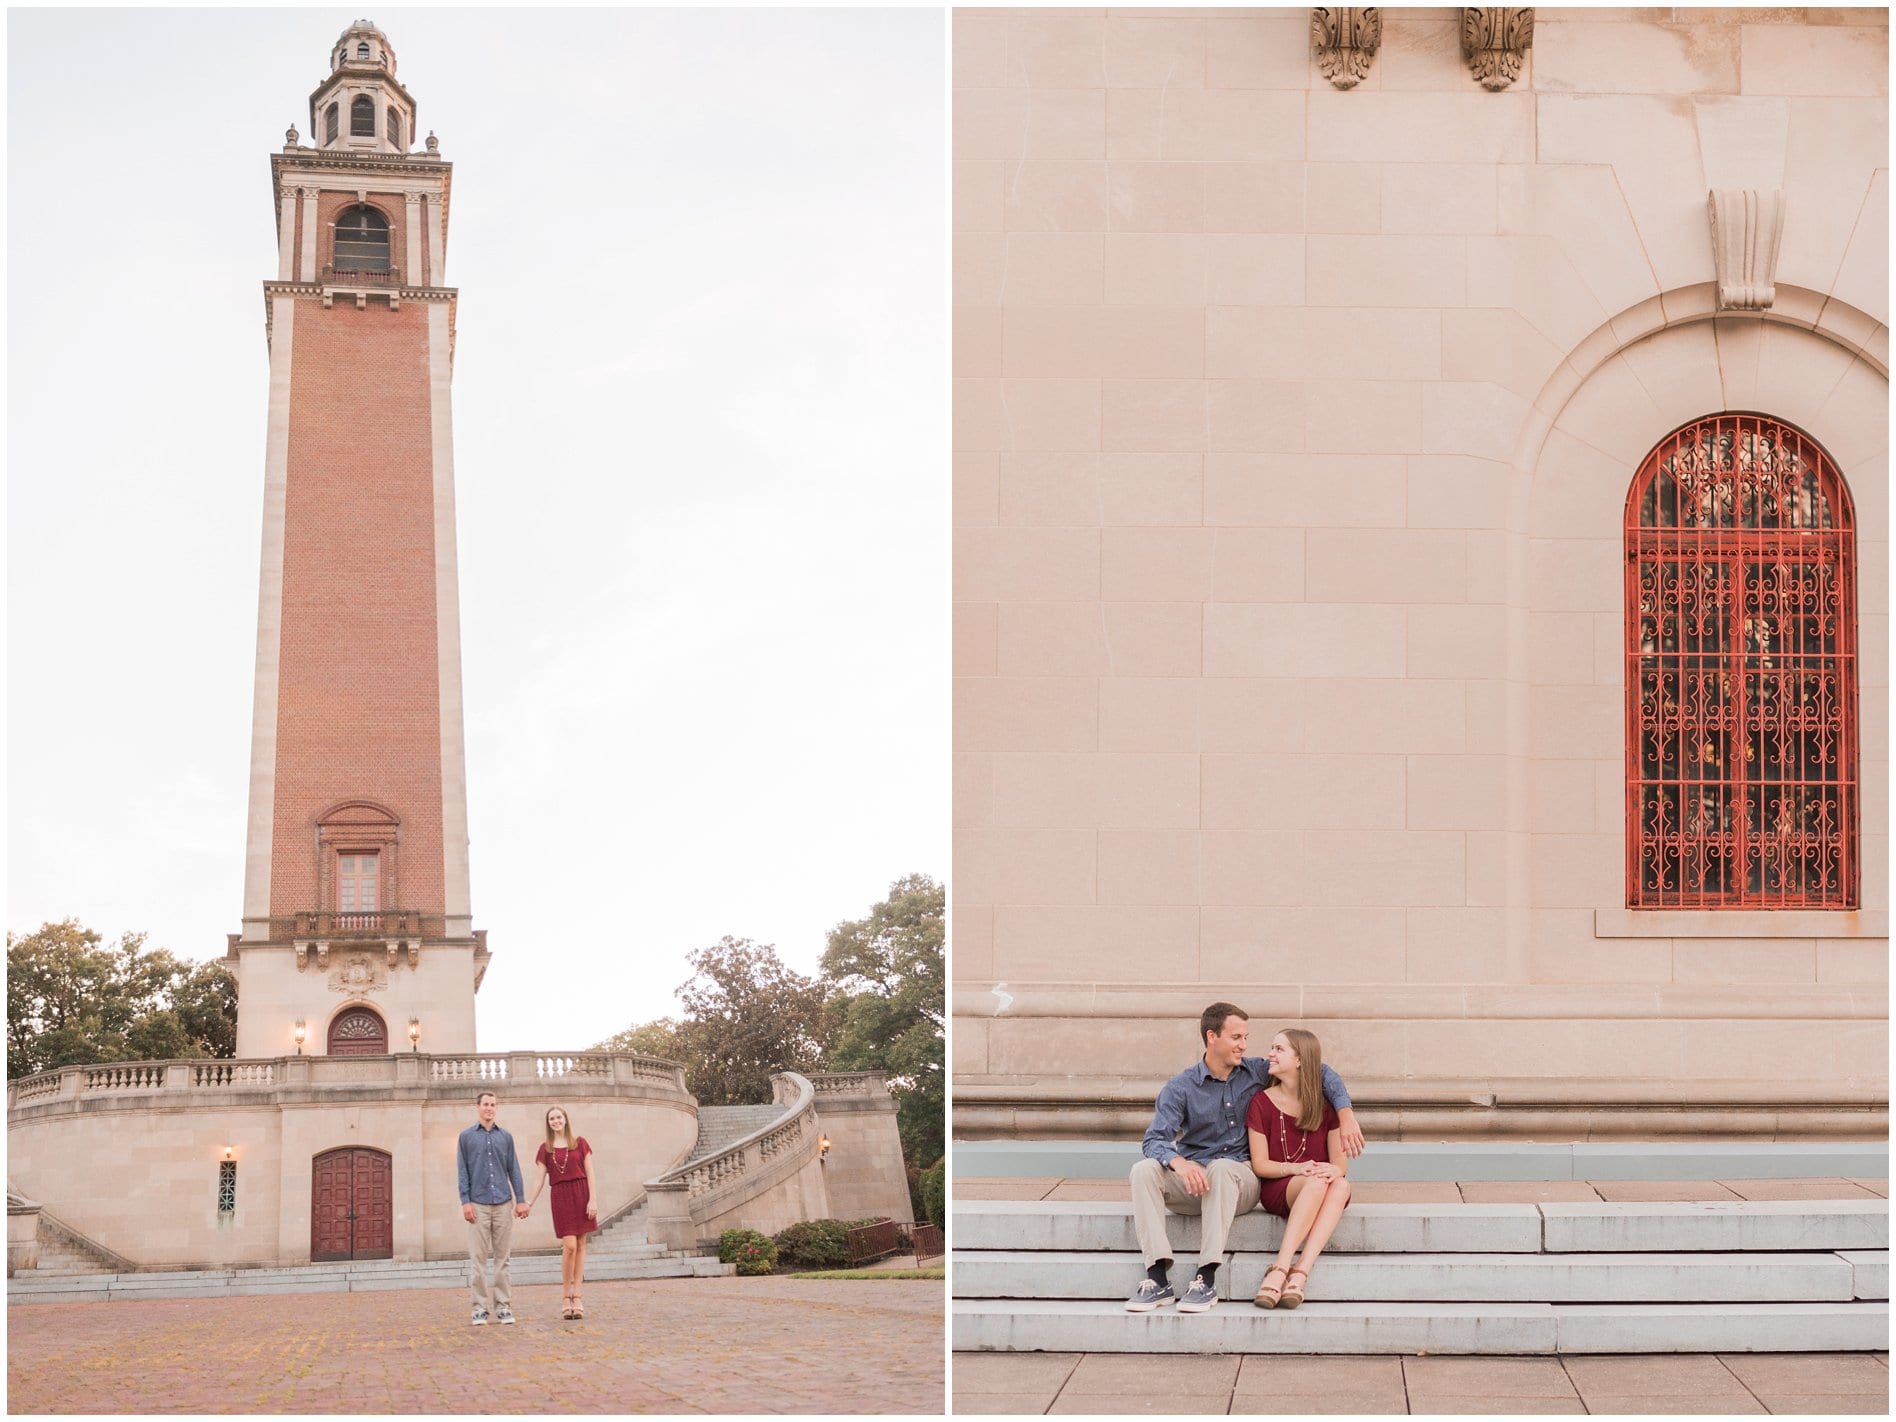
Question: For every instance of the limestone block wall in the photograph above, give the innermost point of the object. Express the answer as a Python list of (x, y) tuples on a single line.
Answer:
[(1293, 431), (273, 995), (148, 1186), (864, 1170)]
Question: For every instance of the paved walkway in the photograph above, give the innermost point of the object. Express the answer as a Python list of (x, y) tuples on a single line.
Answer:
[(1472, 1192), (1725, 1383), (659, 1346)]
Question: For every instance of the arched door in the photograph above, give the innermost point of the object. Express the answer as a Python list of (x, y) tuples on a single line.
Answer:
[(359, 1032), (351, 1205)]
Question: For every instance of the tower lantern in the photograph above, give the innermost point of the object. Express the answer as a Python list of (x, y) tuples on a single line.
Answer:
[(361, 107), (356, 913)]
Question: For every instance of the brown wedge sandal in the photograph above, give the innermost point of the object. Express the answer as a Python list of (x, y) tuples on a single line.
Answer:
[(1293, 1294), (1267, 1296), (566, 1305)]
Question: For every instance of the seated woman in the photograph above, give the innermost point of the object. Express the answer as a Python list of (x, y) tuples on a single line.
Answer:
[(1297, 1152)]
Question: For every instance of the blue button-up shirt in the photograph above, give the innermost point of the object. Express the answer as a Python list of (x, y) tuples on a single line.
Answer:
[(1202, 1118), (487, 1163)]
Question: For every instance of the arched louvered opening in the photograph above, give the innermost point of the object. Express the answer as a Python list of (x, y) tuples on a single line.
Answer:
[(362, 117), (332, 121), (394, 128), (1741, 672), (361, 241)]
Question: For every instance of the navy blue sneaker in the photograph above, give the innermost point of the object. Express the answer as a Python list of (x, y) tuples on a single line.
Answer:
[(1149, 1296)]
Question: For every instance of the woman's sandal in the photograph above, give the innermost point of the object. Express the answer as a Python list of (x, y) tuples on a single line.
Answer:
[(566, 1305), (579, 1309), (1267, 1297), (1291, 1297)]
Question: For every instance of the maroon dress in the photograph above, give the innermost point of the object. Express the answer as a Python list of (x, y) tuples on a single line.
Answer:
[(1286, 1141), (566, 1169)]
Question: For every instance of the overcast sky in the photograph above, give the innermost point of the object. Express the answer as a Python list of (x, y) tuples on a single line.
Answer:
[(699, 420)]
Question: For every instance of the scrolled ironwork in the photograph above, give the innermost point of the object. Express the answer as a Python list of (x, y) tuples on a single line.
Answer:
[(1741, 672)]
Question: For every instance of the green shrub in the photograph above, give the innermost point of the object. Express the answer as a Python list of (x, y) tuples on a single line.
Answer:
[(916, 1208), (753, 1253), (935, 1192), (815, 1244)]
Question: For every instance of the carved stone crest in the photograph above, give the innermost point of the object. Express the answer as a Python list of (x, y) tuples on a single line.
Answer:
[(358, 975), (1346, 41), (1747, 226), (1495, 42)]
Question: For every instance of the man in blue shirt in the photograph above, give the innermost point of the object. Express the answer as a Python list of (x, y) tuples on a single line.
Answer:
[(1197, 1156), (493, 1195)]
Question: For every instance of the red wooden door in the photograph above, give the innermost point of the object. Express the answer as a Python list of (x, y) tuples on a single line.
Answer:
[(352, 1205), (358, 1033)]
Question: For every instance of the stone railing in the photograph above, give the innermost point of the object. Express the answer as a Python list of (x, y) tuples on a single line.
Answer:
[(685, 1200), (421, 1072), (868, 1085)]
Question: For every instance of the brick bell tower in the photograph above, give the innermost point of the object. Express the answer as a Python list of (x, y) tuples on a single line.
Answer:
[(356, 929)]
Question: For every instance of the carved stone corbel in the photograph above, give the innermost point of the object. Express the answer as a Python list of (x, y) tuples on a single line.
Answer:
[(1495, 42), (1747, 226), (322, 956), (1346, 41), (302, 951)]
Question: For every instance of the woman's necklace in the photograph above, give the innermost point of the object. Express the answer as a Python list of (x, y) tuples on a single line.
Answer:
[(1283, 1143), (559, 1156)]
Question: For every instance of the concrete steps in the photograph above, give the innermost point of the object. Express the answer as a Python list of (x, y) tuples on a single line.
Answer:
[(620, 1251), (1739, 1276)]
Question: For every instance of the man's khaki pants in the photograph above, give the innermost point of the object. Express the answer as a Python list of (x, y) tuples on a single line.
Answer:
[(1156, 1189), (490, 1238)]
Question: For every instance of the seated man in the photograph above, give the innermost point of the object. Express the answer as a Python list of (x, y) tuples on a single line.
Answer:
[(1198, 1156)]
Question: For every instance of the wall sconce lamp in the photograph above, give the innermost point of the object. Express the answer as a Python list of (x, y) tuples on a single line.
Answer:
[(414, 1034), (302, 1032), (822, 1148), (230, 1152)]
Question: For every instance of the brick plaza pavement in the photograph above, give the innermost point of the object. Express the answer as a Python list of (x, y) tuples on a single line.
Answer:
[(646, 1346), (1710, 1384)]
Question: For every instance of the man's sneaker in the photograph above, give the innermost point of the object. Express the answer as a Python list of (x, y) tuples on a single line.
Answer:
[(480, 1317), (1149, 1296), (506, 1314), (1199, 1297)]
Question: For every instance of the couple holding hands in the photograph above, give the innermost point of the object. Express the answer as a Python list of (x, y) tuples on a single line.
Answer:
[(1231, 1132)]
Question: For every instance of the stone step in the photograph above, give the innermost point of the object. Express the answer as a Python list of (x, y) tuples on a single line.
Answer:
[(351, 1277), (1436, 1328), (1463, 1278), (1718, 1226)]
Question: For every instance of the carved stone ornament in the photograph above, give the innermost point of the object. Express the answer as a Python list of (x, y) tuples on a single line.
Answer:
[(1747, 226), (289, 136), (1346, 41), (398, 946), (359, 975), (434, 144), (1495, 43)]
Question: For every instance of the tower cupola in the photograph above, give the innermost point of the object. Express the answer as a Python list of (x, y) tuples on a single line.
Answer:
[(361, 107)]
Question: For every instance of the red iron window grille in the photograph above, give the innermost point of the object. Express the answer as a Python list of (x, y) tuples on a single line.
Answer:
[(1741, 675)]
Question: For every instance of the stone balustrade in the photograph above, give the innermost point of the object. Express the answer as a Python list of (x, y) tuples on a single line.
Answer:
[(616, 1073), (689, 1203)]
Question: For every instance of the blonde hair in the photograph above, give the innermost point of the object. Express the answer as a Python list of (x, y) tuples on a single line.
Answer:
[(572, 1136), (1309, 1077)]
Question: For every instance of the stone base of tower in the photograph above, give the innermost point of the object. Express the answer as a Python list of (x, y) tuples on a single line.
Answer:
[(422, 982), (219, 1164)]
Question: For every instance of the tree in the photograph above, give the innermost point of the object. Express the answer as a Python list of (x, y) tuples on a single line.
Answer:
[(657, 1038), (746, 1016), (72, 1001), (889, 1000)]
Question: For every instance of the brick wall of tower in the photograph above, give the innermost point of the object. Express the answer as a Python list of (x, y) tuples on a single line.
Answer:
[(359, 710)]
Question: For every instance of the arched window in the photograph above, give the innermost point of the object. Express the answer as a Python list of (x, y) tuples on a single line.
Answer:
[(361, 240), (358, 1032), (362, 117), (362, 50), (394, 128), (1741, 676), (332, 120)]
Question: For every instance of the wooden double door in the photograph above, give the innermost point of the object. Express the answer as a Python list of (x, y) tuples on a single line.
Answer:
[(352, 1205)]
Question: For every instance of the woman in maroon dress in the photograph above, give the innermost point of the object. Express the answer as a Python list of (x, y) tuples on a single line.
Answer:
[(1297, 1152), (566, 1160)]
